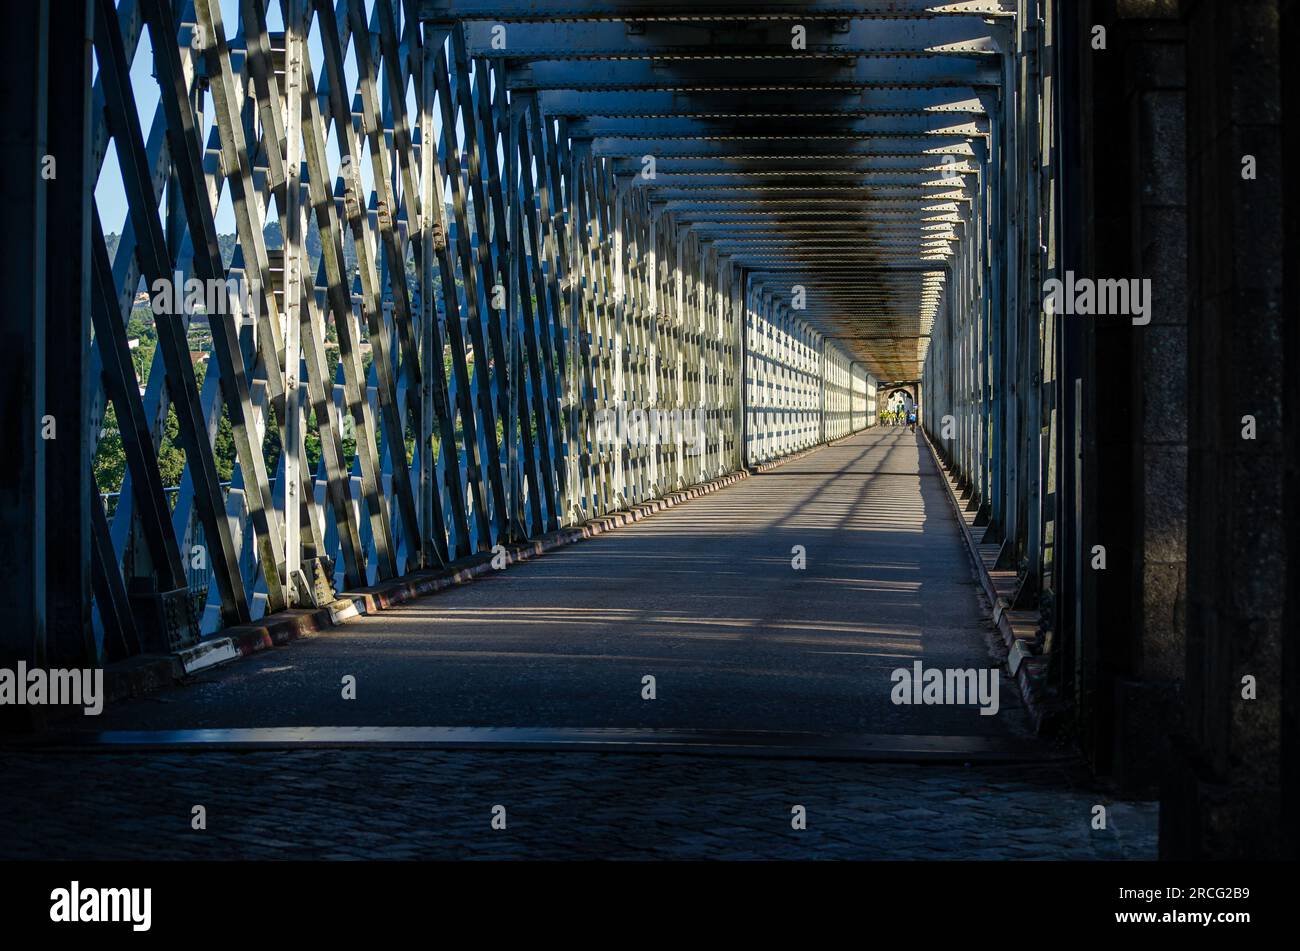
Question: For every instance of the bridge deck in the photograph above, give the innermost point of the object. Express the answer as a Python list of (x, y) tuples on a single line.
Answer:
[(703, 597)]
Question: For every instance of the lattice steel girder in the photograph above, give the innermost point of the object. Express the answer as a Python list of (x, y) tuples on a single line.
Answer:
[(522, 10), (331, 221), (123, 389), (392, 413), (484, 171), (648, 308), (477, 409), (437, 253), (773, 101), (332, 99), (158, 264), (807, 125), (126, 268), (126, 274), (538, 317), (551, 253), (320, 380), (237, 154), (752, 38), (770, 146)]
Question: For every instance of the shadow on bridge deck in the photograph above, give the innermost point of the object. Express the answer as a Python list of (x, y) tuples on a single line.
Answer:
[(703, 597)]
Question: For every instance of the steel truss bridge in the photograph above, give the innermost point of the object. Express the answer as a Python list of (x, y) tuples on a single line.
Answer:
[(503, 267), (593, 260)]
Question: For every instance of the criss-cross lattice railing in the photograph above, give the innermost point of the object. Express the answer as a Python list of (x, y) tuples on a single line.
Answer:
[(446, 326)]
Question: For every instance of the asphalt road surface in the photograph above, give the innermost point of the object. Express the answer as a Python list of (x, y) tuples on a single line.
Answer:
[(704, 597)]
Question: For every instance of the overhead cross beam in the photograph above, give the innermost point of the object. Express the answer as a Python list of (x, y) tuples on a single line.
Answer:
[(700, 38), (524, 10), (794, 72)]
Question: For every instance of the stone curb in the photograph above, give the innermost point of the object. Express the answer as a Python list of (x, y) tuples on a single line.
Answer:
[(1028, 670)]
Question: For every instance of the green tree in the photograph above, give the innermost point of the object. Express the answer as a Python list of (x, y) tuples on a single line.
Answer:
[(110, 460)]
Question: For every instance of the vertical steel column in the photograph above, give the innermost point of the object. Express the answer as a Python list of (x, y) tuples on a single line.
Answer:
[(517, 425), (70, 638), (432, 410), (24, 68), (472, 392), (292, 421), (156, 264)]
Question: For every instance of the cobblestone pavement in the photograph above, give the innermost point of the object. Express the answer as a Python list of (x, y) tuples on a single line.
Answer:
[(414, 804)]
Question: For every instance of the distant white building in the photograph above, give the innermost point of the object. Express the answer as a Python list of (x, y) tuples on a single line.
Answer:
[(899, 400)]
